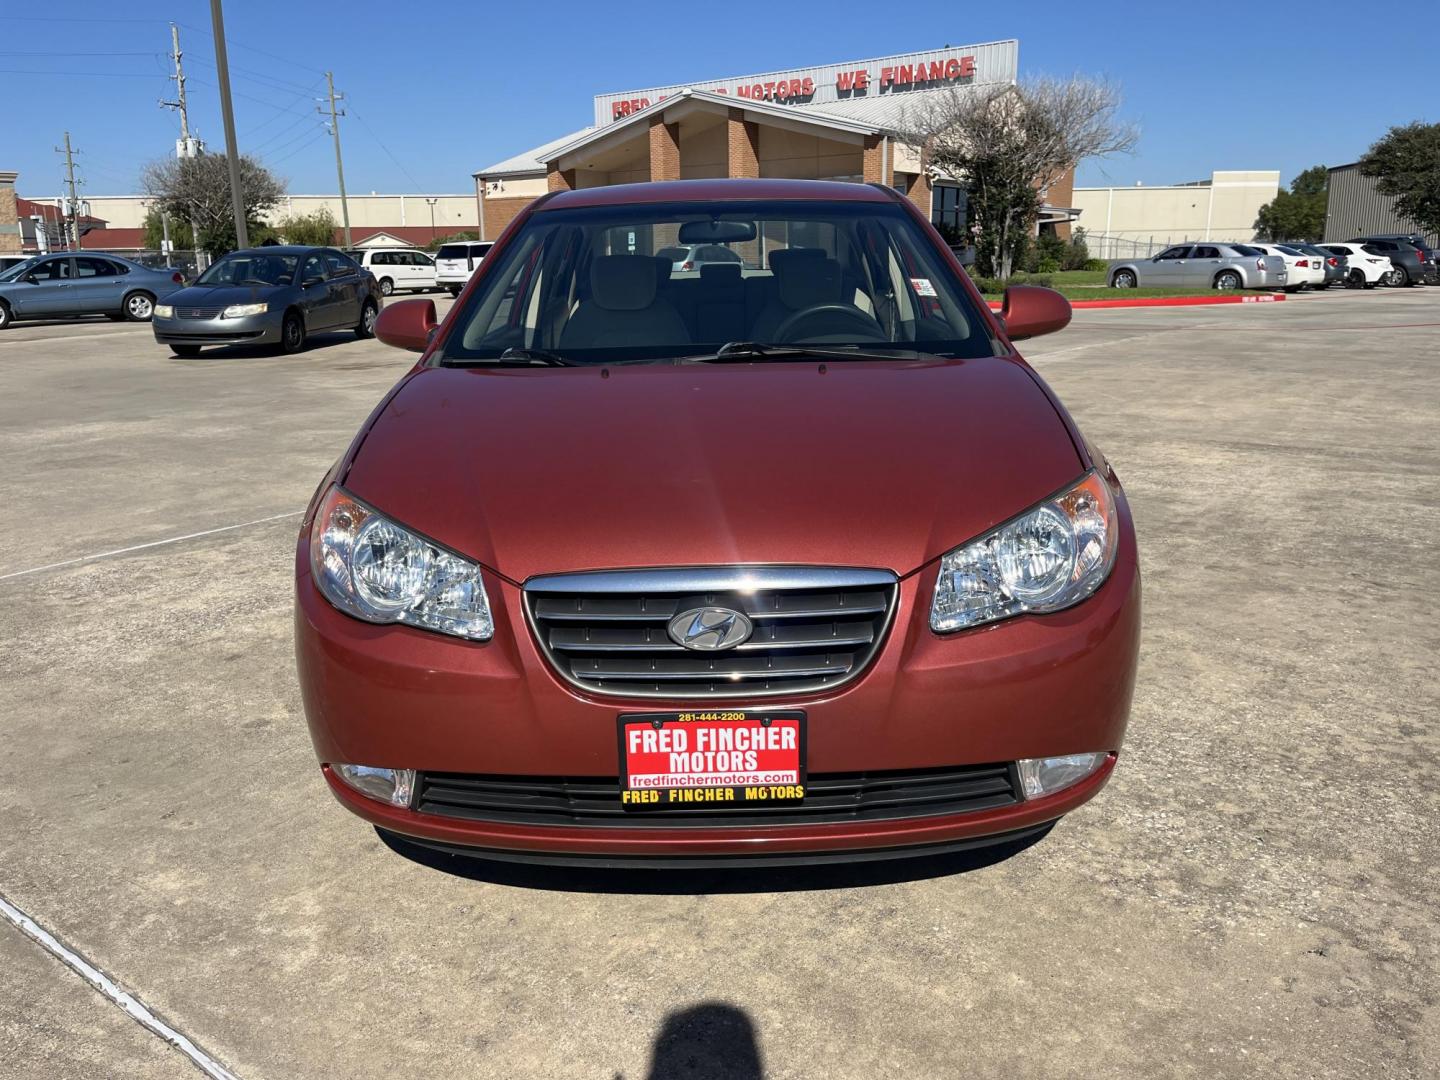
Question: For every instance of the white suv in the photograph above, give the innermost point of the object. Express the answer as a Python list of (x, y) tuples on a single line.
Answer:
[(454, 263), (397, 268)]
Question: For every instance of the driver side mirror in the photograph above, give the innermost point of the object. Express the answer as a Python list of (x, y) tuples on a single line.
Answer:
[(1029, 311), (309, 281), (410, 325)]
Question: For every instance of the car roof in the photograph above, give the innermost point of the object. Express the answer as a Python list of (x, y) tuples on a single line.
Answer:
[(283, 249), (665, 191)]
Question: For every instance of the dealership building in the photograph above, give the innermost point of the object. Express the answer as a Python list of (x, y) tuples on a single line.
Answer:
[(837, 122)]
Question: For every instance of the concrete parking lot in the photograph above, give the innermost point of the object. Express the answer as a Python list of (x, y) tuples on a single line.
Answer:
[(1252, 895)]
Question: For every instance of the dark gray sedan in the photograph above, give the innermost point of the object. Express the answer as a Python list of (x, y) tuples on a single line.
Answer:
[(275, 296), (83, 283)]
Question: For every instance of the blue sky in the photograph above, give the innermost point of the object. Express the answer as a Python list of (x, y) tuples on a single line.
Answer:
[(438, 90)]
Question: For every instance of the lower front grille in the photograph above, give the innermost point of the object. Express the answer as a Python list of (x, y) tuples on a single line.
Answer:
[(875, 796), (811, 629)]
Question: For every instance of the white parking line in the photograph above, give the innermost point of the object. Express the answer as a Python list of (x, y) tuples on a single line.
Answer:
[(102, 982), (151, 544)]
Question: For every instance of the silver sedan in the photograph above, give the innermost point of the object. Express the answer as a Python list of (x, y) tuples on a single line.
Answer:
[(83, 283), (1202, 266), (276, 296)]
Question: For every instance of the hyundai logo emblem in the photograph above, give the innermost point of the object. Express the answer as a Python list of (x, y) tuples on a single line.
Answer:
[(709, 629)]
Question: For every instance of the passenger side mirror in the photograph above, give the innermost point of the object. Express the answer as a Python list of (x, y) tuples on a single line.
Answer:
[(1029, 311), (410, 324)]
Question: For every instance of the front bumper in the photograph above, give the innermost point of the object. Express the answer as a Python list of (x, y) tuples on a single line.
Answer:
[(251, 330), (1032, 686)]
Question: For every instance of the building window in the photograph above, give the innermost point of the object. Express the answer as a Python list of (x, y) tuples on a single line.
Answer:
[(948, 203)]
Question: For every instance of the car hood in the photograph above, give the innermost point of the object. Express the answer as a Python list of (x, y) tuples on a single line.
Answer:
[(223, 295), (548, 470)]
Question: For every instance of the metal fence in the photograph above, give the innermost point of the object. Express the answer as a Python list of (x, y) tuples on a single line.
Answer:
[(1101, 246), (190, 263)]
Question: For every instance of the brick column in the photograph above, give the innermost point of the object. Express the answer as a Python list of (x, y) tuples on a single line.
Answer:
[(664, 150), (743, 142), (558, 179), (9, 215), (920, 193), (873, 170)]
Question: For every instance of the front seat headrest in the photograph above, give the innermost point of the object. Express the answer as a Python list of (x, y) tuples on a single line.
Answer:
[(805, 277), (623, 282)]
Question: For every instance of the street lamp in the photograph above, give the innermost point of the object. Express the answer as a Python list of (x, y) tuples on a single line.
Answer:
[(432, 203)]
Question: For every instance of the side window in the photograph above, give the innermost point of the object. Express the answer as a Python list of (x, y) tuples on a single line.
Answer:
[(53, 270), (1207, 253), (337, 265), (93, 268), (382, 258), (314, 268), (421, 259), (1175, 253)]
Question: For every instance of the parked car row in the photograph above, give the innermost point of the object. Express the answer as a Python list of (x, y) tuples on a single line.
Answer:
[(1364, 262)]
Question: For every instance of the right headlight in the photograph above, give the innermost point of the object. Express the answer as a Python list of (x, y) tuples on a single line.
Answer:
[(1050, 557), (378, 570)]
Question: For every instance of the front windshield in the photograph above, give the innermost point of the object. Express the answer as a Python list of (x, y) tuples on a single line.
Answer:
[(653, 282), (251, 268), (19, 268)]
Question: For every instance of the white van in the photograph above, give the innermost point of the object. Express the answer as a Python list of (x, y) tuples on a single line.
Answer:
[(397, 268), (454, 263)]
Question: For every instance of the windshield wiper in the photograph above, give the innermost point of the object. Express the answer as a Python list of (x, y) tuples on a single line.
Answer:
[(537, 356), (744, 352)]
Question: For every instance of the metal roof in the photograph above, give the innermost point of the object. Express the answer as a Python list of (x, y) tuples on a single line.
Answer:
[(530, 160)]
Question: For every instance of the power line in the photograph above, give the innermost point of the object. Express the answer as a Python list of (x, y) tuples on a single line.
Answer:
[(388, 154)]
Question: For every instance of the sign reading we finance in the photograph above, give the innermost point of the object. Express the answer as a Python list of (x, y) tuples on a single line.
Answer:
[(839, 82)]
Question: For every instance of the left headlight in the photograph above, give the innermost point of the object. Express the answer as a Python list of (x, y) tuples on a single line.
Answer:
[(377, 570), (1050, 557), (239, 311), (163, 311)]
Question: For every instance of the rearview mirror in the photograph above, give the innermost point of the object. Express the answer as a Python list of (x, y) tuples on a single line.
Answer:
[(409, 325), (1029, 311), (716, 232)]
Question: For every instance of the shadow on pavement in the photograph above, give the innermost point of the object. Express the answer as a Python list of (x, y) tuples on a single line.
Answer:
[(709, 1040), (316, 343), (669, 881)]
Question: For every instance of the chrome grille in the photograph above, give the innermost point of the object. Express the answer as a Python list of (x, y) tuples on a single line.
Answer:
[(198, 313), (815, 628)]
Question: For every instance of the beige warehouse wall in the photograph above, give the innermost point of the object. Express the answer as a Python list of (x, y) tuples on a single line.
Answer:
[(1223, 209), (452, 212)]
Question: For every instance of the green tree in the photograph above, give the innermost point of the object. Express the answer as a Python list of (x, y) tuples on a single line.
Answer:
[(1406, 165), (1010, 145), (315, 228), (1297, 214), (155, 232), (198, 189)]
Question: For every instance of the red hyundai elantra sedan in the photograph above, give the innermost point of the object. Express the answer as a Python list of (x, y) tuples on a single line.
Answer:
[(787, 558)]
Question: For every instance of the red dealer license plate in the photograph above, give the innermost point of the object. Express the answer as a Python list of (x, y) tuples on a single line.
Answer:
[(710, 760)]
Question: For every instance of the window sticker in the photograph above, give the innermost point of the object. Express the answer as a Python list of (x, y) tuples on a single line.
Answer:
[(922, 286)]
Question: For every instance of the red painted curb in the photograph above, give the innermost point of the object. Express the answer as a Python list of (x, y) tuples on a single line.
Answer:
[(1167, 301)]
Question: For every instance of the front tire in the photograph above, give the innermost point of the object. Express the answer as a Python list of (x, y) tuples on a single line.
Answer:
[(292, 333), (1400, 277), (1123, 279), (139, 307), (1228, 280), (365, 328), (5, 317), (386, 286)]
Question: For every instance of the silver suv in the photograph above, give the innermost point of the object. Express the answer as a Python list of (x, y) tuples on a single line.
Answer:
[(1211, 265)]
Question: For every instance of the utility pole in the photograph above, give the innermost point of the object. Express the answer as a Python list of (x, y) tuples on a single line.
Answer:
[(70, 181), (339, 165), (232, 150), (432, 203), (187, 147)]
